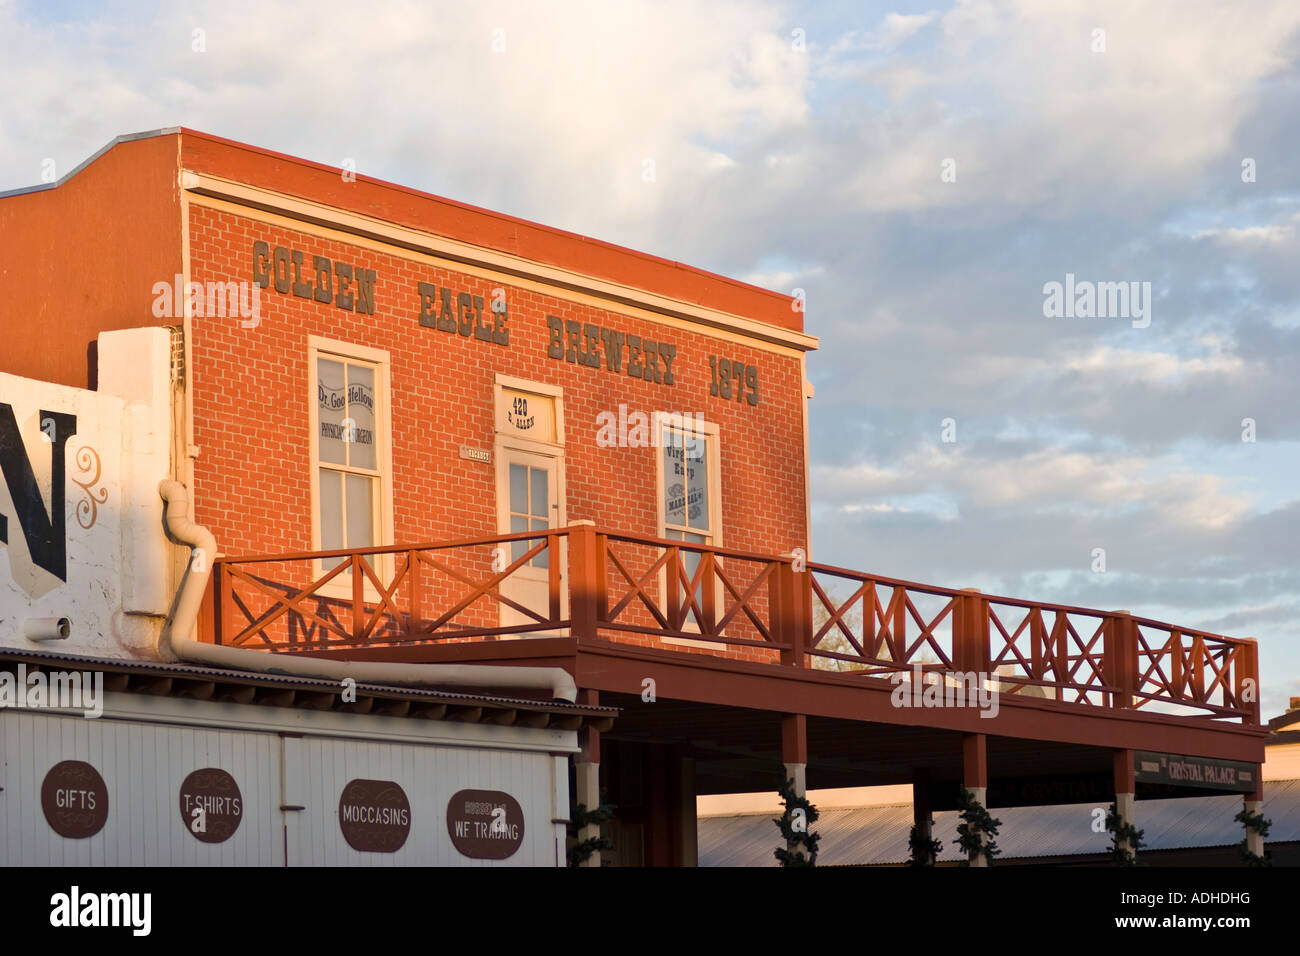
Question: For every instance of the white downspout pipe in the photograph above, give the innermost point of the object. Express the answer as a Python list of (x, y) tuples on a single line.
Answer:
[(178, 634)]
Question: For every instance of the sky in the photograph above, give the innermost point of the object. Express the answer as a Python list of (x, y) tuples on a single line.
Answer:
[(921, 171)]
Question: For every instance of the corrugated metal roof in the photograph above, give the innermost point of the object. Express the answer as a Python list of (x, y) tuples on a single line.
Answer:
[(272, 679), (878, 835)]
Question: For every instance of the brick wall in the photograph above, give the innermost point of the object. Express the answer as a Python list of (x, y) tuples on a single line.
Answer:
[(252, 416)]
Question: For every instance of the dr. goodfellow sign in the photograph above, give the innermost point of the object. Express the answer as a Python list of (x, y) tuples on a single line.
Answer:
[(485, 824)]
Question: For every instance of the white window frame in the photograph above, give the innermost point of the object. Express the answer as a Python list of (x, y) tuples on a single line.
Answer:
[(713, 456), (320, 347)]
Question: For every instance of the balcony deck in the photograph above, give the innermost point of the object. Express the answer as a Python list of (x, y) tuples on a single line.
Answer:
[(732, 640)]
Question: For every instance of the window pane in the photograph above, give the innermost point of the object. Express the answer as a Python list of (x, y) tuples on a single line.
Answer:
[(361, 511), (518, 523), (361, 413), (331, 514), (539, 524), (331, 510), (331, 405), (519, 491), (674, 481), (697, 486), (541, 499)]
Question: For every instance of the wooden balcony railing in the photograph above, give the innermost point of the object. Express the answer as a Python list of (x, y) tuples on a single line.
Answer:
[(599, 586)]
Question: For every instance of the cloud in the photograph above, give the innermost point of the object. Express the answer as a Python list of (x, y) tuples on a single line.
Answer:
[(822, 168)]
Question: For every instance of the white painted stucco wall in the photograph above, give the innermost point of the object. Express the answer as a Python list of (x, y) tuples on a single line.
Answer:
[(116, 587)]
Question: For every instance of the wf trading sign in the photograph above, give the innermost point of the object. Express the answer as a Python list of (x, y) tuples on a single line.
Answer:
[(81, 535)]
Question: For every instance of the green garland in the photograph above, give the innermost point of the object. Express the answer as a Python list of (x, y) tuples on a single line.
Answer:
[(580, 851), (976, 831), (924, 851), (1122, 832), (1256, 822), (802, 838)]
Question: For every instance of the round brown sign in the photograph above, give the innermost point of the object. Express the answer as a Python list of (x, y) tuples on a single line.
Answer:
[(75, 799), (485, 824), (374, 815), (211, 805)]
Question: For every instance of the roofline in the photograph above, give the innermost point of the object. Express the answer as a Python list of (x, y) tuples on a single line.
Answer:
[(116, 141), (477, 210), (776, 299), (1284, 720)]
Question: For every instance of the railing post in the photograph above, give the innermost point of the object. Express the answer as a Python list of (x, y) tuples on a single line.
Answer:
[(791, 610), (1121, 658), (225, 617), (209, 613), (554, 577), (970, 633), (897, 614), (1246, 668), (417, 598), (1177, 679), (708, 594), (1060, 642), (358, 598), (673, 595), (1038, 649), (584, 575)]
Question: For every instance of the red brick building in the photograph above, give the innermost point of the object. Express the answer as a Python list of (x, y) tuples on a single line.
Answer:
[(418, 429)]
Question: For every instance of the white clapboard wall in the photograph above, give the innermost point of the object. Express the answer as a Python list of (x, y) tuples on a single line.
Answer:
[(144, 747)]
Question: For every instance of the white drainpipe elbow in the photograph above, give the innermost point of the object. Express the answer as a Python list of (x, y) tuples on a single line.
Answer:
[(178, 634)]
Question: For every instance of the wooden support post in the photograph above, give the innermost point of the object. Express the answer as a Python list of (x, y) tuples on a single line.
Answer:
[(587, 773), (1125, 788), (685, 842), (1253, 802), (975, 778), (922, 817), (794, 757)]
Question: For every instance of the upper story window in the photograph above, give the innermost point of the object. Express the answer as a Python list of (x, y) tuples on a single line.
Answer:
[(350, 457), (689, 460), (689, 497)]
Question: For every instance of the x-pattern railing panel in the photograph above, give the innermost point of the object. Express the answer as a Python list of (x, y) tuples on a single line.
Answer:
[(763, 608), (1079, 656), (382, 595), (651, 589)]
